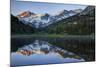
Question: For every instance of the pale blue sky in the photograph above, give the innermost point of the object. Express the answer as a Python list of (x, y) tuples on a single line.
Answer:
[(40, 7)]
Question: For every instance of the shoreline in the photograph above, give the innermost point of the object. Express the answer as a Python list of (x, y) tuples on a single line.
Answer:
[(51, 36)]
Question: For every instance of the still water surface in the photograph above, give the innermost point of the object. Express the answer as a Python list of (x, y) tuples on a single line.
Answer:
[(26, 51)]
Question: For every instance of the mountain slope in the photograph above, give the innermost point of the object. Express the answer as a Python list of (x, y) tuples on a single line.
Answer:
[(90, 10), (43, 20), (17, 27), (80, 24)]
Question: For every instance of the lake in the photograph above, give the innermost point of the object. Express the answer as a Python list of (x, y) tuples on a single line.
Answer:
[(46, 50)]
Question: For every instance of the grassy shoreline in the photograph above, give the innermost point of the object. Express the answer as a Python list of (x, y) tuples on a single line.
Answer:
[(52, 36)]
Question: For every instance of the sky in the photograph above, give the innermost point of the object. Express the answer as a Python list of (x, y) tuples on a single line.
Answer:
[(18, 7)]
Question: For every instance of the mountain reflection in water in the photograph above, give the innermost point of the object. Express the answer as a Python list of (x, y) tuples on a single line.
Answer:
[(41, 52)]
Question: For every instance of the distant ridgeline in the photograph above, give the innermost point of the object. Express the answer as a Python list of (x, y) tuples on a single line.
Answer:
[(82, 23)]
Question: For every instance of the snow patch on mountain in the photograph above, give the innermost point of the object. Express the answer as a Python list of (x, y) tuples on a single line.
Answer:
[(43, 20)]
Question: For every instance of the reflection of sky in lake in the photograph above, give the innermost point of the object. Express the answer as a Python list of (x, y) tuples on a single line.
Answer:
[(41, 52)]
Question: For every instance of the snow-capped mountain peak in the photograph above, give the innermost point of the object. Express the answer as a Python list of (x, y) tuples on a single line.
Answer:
[(78, 10), (43, 20), (25, 14), (63, 12)]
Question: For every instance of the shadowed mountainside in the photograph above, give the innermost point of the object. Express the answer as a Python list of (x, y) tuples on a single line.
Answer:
[(17, 27)]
